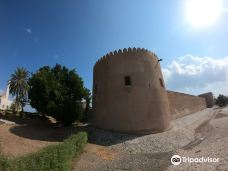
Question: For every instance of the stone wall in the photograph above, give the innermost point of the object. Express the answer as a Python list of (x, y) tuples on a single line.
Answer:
[(183, 104), (209, 98)]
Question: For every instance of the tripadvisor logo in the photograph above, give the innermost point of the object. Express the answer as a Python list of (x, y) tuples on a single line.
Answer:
[(176, 159)]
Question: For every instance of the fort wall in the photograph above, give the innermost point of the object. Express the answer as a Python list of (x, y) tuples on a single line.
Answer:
[(182, 104), (129, 94), (209, 98)]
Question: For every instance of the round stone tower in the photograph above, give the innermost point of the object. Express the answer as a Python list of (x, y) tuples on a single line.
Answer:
[(129, 93)]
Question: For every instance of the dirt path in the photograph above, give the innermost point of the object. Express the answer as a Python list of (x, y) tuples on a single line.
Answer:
[(211, 141), (30, 135), (14, 144), (207, 137)]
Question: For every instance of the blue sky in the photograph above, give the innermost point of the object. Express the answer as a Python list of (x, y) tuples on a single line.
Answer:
[(75, 33)]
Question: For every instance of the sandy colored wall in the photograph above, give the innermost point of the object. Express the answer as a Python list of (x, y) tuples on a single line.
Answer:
[(209, 98), (139, 108), (182, 104)]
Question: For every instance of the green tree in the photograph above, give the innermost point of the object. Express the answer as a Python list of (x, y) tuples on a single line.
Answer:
[(87, 97), (57, 92), (221, 100), (18, 87), (15, 107)]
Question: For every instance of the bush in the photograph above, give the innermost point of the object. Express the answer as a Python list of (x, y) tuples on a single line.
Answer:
[(15, 107), (51, 158), (221, 100), (57, 92)]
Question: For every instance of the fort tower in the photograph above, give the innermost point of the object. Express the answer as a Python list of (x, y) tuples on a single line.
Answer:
[(129, 92)]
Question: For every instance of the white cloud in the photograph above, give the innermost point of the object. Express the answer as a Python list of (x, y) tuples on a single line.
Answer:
[(192, 74), (56, 57), (28, 30)]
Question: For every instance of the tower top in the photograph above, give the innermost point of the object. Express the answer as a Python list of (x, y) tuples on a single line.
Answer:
[(123, 51)]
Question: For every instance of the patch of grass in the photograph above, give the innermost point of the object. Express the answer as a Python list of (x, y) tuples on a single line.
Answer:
[(51, 158), (5, 163)]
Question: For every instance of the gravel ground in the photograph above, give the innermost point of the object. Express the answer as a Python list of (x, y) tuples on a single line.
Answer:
[(213, 143), (189, 135)]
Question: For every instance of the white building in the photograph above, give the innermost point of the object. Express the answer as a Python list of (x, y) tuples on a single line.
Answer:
[(5, 103)]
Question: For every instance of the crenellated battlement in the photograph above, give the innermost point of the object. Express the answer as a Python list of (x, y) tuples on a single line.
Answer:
[(122, 51)]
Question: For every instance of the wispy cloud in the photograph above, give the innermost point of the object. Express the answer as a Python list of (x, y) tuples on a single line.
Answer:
[(56, 57), (193, 74), (28, 30)]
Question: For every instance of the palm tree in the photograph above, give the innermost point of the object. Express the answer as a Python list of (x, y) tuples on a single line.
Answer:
[(18, 86)]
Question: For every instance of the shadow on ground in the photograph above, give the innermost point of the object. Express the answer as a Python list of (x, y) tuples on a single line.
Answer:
[(49, 133), (43, 133), (43, 130)]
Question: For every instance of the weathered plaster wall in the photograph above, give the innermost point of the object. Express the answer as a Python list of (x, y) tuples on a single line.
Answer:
[(5, 103), (182, 104), (138, 108), (209, 98)]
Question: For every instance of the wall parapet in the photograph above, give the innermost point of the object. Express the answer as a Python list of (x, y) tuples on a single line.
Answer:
[(104, 58)]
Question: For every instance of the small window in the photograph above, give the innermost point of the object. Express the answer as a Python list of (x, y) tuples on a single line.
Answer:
[(161, 82), (127, 81), (95, 89)]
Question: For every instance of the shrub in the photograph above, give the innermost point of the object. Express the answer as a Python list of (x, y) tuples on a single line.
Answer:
[(51, 158), (57, 92), (221, 100), (15, 107)]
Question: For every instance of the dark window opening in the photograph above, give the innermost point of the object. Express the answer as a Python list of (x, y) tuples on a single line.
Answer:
[(161, 82), (127, 80), (95, 89)]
